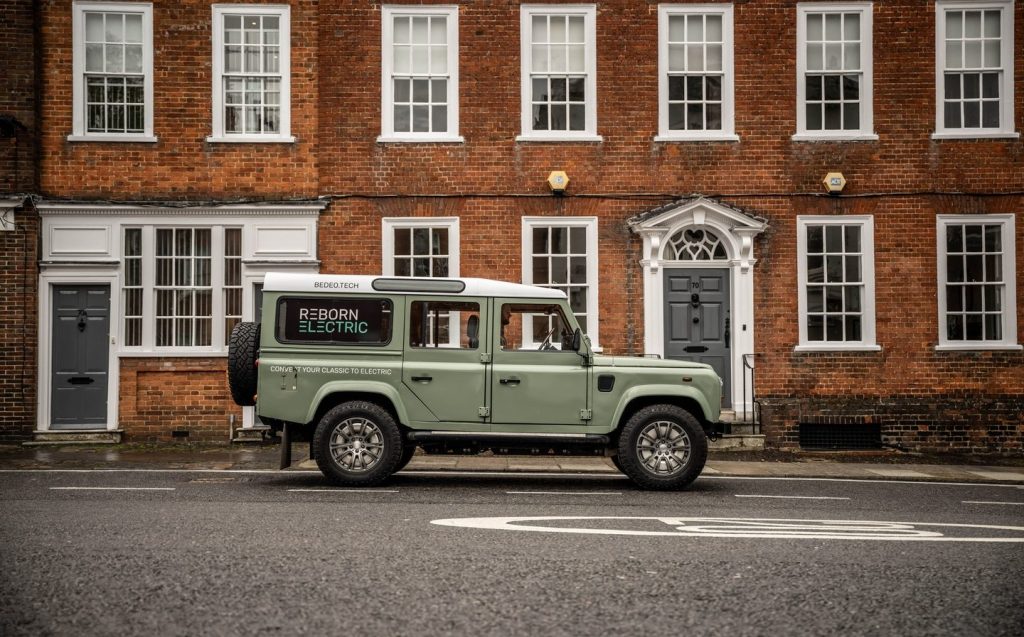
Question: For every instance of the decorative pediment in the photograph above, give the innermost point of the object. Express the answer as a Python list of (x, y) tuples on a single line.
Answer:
[(666, 237)]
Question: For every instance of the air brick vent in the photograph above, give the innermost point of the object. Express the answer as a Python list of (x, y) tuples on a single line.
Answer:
[(840, 437)]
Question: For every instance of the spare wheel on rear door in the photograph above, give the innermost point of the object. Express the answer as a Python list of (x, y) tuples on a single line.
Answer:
[(243, 350)]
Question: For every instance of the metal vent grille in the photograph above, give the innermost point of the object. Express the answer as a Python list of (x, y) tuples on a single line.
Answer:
[(845, 437)]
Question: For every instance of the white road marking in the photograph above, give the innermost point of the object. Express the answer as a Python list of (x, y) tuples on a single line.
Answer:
[(342, 490), (530, 474), (1019, 504), (899, 473), (999, 475), (793, 497), (762, 528), (563, 492), (111, 488)]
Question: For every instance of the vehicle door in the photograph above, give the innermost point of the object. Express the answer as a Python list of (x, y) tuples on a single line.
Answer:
[(536, 377), (443, 366)]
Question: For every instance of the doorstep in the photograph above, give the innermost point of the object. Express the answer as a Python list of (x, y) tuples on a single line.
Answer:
[(76, 437)]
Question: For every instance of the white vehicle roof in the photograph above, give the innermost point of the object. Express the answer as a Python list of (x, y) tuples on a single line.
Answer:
[(389, 285)]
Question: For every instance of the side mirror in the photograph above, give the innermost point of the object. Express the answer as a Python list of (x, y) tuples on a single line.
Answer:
[(577, 340)]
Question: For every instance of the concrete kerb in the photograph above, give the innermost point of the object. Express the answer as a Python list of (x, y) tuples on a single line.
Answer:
[(721, 464)]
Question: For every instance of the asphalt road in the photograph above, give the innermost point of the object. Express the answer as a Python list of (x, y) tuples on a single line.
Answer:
[(240, 553)]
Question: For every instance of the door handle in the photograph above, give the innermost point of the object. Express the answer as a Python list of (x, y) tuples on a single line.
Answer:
[(425, 379), (511, 380), (81, 380)]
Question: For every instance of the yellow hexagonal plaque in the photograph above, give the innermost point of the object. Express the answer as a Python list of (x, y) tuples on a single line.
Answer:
[(558, 181), (834, 182)]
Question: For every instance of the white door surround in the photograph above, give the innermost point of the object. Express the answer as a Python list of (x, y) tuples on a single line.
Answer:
[(736, 231)]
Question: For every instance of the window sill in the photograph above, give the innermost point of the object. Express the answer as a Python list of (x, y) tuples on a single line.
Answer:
[(854, 137), (980, 347), (837, 348), (412, 139), (561, 139), (172, 353), (977, 135), (697, 138), (135, 139), (250, 139)]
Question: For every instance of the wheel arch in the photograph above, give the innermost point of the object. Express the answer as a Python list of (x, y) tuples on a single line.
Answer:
[(632, 403), (333, 394)]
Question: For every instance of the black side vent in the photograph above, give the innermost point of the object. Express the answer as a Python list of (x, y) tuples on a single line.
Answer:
[(840, 437), (605, 382)]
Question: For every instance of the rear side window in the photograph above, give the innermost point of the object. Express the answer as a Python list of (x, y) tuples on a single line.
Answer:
[(449, 324), (337, 320)]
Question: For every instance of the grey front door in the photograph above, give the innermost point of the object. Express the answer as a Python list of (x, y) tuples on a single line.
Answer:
[(81, 341), (697, 322)]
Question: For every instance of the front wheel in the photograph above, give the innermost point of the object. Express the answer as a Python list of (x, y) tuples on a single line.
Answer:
[(662, 447), (357, 444)]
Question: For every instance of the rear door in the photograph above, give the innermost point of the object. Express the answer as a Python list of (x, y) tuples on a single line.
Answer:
[(443, 365)]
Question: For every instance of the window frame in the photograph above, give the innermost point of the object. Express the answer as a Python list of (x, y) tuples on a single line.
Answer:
[(1009, 249), (593, 275), (868, 341), (79, 132), (390, 224), (728, 130), (1006, 121), (148, 258), (387, 126), (866, 132), (283, 12), (280, 327), (526, 14)]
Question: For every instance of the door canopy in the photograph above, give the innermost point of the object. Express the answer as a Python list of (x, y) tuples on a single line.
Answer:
[(697, 229)]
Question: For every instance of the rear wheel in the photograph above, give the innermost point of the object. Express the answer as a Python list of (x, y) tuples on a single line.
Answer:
[(662, 447), (357, 444)]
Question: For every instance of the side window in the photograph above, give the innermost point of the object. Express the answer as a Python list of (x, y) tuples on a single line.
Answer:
[(543, 327), (334, 321), (445, 324)]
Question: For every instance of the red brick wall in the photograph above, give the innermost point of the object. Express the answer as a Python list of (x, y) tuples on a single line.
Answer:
[(181, 165), (17, 96), (18, 253), (904, 179), (162, 395), (18, 288)]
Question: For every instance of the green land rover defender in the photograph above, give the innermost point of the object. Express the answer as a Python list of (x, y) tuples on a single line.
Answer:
[(369, 368)]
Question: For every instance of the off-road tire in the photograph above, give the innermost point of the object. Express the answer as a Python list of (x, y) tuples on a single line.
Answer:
[(243, 350), (407, 454), (354, 414), (618, 465), (659, 423)]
